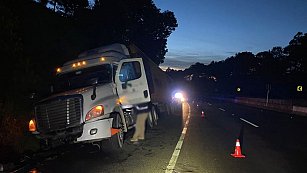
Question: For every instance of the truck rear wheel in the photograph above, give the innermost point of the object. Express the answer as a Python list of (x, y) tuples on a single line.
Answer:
[(152, 119)]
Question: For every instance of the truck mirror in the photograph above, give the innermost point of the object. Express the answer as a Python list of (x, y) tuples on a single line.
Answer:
[(94, 81), (124, 85)]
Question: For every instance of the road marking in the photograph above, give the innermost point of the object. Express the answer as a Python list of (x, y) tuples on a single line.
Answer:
[(249, 122), (222, 109), (172, 163), (209, 104)]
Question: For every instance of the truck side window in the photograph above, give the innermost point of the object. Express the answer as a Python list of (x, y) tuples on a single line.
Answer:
[(130, 71)]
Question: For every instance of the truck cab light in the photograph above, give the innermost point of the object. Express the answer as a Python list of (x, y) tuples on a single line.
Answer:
[(32, 126), (58, 70)]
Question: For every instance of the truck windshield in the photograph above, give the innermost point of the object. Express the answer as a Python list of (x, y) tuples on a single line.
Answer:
[(83, 77)]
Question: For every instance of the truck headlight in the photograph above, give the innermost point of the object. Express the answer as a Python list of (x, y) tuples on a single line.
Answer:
[(95, 112)]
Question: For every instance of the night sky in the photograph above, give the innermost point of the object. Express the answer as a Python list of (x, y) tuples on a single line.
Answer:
[(214, 30)]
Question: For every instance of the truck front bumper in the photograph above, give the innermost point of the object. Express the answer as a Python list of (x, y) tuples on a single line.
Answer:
[(96, 130)]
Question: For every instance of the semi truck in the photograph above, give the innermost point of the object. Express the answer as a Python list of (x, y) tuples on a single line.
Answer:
[(97, 97)]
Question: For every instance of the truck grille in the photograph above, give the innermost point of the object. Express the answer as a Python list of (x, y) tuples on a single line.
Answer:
[(59, 113)]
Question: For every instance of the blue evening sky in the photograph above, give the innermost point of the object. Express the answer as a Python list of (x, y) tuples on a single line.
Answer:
[(216, 29)]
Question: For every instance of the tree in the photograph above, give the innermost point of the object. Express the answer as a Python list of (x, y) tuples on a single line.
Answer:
[(71, 7), (66, 7), (134, 21), (43, 2), (297, 52)]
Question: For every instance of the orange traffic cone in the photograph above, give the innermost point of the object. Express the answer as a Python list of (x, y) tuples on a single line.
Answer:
[(202, 114), (238, 153)]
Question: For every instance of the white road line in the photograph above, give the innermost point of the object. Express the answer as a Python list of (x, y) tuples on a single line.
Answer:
[(209, 104), (172, 163), (249, 122), (222, 109)]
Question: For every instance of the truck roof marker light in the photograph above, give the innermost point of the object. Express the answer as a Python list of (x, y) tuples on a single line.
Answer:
[(32, 126), (58, 70), (102, 59), (79, 64)]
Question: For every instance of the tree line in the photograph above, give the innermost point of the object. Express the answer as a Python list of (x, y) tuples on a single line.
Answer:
[(280, 70)]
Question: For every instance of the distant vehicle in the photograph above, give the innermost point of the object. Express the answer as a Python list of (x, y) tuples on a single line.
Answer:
[(98, 95)]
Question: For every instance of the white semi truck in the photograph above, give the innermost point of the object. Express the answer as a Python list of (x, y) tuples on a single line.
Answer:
[(97, 97)]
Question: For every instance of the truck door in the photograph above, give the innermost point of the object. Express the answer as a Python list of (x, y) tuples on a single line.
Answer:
[(132, 86)]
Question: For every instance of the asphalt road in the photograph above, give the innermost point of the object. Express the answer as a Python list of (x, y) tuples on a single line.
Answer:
[(271, 142)]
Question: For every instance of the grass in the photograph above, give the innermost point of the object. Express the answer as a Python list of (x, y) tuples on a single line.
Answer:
[(15, 140)]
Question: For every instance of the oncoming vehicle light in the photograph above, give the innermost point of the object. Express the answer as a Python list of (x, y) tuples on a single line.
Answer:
[(178, 95), (102, 59), (32, 126), (95, 112)]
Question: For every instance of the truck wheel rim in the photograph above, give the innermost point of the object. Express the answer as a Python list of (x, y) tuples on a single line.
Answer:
[(120, 134)]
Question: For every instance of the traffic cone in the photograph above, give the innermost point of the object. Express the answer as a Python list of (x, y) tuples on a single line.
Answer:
[(202, 114), (238, 153)]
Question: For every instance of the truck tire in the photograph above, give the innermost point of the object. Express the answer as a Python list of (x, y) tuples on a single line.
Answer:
[(168, 109), (152, 119), (115, 143), (118, 138)]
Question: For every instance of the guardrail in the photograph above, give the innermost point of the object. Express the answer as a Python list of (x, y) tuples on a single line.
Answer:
[(272, 104)]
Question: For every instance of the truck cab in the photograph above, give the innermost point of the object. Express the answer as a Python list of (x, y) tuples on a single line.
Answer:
[(95, 97)]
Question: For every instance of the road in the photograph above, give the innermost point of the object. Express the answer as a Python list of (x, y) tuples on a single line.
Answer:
[(271, 142)]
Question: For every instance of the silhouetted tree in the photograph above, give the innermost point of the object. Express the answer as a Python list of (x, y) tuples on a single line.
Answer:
[(297, 53), (43, 2), (70, 7), (135, 21)]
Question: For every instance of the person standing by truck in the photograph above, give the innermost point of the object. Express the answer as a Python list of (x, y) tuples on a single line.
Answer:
[(139, 133)]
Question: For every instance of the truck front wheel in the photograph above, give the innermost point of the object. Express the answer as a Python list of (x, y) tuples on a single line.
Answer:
[(117, 140)]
